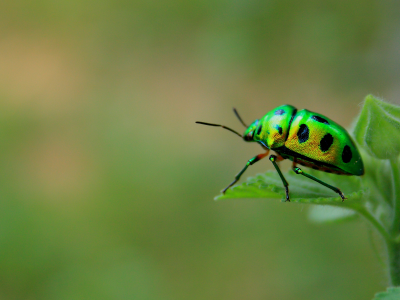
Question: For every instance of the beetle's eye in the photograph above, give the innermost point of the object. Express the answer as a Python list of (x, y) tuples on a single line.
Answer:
[(249, 137)]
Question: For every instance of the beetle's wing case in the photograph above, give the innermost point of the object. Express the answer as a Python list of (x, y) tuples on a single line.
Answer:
[(315, 136), (273, 128)]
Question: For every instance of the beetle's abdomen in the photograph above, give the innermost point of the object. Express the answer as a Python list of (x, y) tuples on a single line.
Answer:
[(316, 137)]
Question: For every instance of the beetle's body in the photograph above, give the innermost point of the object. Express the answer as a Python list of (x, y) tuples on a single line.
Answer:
[(306, 138), (309, 139)]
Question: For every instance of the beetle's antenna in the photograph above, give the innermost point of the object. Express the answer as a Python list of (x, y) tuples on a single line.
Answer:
[(240, 119), (217, 125)]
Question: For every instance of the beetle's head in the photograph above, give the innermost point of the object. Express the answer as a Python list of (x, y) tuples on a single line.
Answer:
[(248, 135)]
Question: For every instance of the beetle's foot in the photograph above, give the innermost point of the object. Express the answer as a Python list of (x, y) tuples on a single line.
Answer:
[(225, 189), (287, 194), (341, 195)]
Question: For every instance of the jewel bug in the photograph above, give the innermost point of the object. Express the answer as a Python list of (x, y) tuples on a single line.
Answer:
[(304, 137)]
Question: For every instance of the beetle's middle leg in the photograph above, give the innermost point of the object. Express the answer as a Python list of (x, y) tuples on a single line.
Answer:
[(249, 163), (274, 159), (297, 170)]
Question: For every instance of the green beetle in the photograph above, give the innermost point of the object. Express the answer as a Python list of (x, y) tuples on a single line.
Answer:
[(304, 137)]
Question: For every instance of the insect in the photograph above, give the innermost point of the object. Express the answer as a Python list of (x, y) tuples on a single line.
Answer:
[(304, 137)]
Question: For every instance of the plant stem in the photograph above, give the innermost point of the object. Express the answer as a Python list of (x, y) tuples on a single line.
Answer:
[(391, 236), (393, 244), (396, 196), (393, 251), (386, 236)]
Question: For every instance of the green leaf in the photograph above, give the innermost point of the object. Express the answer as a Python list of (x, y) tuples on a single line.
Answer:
[(375, 196), (390, 294), (301, 189), (330, 214), (377, 129)]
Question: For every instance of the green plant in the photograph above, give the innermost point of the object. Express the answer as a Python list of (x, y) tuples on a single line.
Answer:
[(374, 196)]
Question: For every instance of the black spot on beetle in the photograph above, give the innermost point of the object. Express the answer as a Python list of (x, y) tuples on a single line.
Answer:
[(326, 142), (346, 154), (279, 112), (303, 134), (319, 119), (279, 128), (259, 129)]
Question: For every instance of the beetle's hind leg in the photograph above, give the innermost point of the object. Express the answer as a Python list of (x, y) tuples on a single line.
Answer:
[(274, 159), (297, 170)]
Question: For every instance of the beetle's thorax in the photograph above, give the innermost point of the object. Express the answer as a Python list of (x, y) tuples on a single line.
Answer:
[(272, 129), (270, 133)]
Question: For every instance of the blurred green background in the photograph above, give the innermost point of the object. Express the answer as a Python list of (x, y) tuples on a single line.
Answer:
[(106, 182)]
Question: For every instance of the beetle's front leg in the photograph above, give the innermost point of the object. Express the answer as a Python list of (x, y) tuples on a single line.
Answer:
[(249, 163), (273, 159)]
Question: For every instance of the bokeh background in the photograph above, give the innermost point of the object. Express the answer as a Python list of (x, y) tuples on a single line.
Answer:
[(106, 182)]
